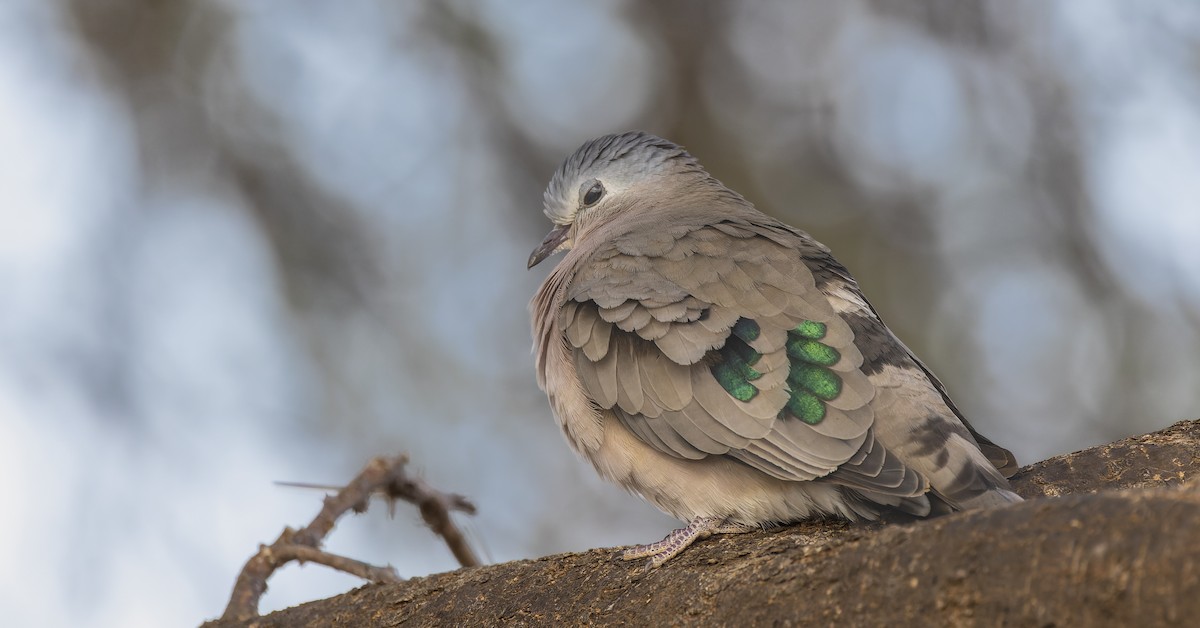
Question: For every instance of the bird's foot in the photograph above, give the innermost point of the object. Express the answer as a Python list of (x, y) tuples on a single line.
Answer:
[(679, 540)]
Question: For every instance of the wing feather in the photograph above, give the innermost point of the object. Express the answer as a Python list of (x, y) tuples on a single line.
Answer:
[(652, 331)]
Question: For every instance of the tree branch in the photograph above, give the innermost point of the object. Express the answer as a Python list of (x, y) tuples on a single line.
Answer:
[(1090, 555), (384, 476)]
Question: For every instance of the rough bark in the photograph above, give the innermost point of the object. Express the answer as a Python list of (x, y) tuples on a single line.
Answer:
[(1119, 544)]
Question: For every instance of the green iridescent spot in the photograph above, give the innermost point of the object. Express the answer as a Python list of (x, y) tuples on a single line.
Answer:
[(806, 407), (812, 351), (746, 329), (812, 383), (734, 368), (820, 381), (811, 329), (747, 371), (741, 351), (735, 379)]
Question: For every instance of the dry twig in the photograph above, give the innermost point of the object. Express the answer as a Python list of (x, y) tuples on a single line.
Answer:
[(384, 476)]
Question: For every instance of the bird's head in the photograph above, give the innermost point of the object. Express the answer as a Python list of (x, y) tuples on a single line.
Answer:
[(609, 175)]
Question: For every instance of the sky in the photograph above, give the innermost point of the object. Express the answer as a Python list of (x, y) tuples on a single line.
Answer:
[(169, 348)]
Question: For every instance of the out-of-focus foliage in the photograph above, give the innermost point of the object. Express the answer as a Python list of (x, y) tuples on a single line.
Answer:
[(244, 241)]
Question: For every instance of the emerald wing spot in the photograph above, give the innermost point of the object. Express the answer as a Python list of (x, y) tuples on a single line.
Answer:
[(810, 329), (747, 330), (735, 379), (806, 407), (741, 351), (810, 379), (734, 368), (812, 351), (822, 382)]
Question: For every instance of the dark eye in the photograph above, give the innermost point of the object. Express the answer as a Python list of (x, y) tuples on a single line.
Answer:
[(593, 194)]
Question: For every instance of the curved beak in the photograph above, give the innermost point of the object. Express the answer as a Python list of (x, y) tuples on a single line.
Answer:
[(555, 241)]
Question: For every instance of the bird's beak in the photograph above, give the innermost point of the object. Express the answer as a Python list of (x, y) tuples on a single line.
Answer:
[(557, 240)]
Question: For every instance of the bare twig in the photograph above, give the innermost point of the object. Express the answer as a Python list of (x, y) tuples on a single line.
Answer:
[(435, 510), (306, 554), (382, 475)]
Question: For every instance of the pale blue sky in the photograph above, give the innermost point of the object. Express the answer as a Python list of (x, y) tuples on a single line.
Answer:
[(156, 374)]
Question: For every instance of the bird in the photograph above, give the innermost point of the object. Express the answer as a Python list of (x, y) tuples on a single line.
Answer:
[(722, 365)]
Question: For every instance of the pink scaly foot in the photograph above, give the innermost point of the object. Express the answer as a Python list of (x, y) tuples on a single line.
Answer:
[(679, 540)]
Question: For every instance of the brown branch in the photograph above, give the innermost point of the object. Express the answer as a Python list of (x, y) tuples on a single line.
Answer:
[(1115, 546), (383, 475), (306, 554), (435, 510)]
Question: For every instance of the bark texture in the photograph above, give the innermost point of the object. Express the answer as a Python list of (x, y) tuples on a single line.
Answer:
[(1119, 544)]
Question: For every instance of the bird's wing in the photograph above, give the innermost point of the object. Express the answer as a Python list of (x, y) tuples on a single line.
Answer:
[(713, 340), (916, 419)]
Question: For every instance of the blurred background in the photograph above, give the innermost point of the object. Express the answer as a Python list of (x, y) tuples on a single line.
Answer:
[(248, 241)]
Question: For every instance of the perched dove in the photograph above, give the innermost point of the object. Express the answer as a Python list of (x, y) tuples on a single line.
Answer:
[(725, 367)]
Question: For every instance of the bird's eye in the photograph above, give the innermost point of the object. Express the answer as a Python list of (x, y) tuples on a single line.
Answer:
[(593, 194)]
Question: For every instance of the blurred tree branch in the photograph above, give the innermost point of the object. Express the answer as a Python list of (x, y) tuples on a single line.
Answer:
[(382, 476)]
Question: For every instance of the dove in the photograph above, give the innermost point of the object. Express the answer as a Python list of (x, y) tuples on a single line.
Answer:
[(725, 367)]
